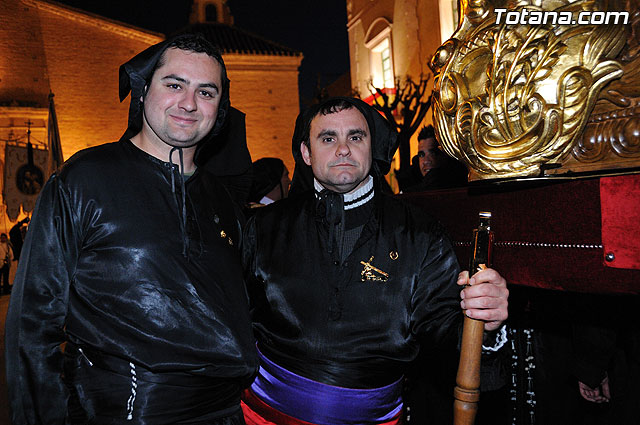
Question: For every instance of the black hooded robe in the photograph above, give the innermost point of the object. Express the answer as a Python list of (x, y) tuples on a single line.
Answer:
[(150, 302), (316, 313)]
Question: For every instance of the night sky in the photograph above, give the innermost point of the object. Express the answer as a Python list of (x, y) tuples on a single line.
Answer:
[(316, 28)]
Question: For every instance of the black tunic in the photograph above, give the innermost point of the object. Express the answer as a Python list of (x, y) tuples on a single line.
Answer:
[(103, 267), (313, 313)]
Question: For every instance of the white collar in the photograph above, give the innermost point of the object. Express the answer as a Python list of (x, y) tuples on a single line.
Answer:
[(352, 199), (266, 201)]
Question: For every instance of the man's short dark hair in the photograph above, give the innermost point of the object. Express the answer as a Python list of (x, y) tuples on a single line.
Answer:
[(195, 43), (330, 107), (427, 132)]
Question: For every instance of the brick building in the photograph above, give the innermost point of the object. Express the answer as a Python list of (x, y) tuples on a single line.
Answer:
[(264, 79), (389, 38), (395, 38), (47, 47)]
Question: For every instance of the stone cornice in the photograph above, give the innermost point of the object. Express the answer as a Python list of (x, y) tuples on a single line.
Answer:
[(262, 62), (97, 21), (23, 112), (356, 18)]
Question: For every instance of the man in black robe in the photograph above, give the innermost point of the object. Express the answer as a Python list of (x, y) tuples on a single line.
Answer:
[(16, 236), (270, 182), (347, 284), (132, 261)]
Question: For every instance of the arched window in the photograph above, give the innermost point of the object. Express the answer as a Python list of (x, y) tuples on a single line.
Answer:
[(378, 41)]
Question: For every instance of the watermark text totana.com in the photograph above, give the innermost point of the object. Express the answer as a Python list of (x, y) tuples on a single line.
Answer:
[(537, 17)]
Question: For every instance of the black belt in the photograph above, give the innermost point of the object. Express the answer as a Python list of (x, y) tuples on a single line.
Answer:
[(104, 388)]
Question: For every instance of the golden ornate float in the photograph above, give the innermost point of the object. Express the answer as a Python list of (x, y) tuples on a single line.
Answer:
[(536, 99)]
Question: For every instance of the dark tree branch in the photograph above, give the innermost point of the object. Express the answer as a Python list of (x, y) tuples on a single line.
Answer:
[(405, 111)]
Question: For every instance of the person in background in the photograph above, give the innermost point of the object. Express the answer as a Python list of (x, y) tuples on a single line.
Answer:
[(6, 254), (270, 182), (16, 235), (605, 358), (439, 171)]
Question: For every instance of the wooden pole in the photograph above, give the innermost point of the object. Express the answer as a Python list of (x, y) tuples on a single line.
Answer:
[(467, 391)]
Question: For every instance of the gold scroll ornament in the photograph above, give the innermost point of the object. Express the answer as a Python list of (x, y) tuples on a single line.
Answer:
[(513, 100)]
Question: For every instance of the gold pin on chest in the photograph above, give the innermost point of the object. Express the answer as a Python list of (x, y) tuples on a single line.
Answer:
[(372, 273), (223, 235)]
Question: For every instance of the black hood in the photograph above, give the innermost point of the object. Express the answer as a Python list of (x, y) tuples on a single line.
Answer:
[(267, 175), (230, 156), (384, 141)]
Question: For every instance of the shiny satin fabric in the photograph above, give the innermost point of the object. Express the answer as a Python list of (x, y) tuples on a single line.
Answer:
[(315, 315), (322, 404), (103, 267), (257, 412)]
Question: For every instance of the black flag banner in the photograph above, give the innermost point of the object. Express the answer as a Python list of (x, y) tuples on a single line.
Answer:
[(27, 167), (24, 176)]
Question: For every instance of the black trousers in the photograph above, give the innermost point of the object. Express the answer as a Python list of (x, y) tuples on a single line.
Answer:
[(104, 390), (5, 278)]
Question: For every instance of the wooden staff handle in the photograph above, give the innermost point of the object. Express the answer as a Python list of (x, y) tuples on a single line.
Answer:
[(467, 390)]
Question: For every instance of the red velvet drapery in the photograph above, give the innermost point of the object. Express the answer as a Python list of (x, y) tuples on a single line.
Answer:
[(576, 235)]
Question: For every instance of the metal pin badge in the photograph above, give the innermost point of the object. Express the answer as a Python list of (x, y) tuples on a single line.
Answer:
[(372, 273)]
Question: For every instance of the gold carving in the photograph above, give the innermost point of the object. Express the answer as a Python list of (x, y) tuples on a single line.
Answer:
[(512, 100), (611, 138), (610, 133)]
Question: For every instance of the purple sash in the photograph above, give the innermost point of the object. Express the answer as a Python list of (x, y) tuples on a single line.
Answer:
[(323, 404)]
